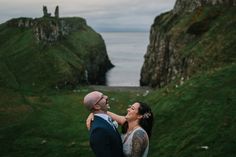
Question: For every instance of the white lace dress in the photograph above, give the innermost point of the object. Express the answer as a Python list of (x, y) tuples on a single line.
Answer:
[(127, 143)]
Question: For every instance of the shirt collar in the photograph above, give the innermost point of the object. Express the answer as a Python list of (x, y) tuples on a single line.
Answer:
[(103, 116)]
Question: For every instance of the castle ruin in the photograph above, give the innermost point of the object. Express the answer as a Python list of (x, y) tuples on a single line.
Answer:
[(46, 14)]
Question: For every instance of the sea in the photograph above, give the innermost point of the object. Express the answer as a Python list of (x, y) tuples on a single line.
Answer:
[(126, 51)]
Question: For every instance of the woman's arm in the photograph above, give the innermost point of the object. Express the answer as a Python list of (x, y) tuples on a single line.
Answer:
[(89, 120), (139, 143), (120, 119)]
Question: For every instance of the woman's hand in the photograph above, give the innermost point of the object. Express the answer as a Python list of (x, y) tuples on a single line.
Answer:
[(89, 120)]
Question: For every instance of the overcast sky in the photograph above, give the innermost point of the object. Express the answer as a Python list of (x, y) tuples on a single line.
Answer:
[(101, 15)]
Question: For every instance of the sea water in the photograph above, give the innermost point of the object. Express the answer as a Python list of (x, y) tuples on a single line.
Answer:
[(126, 51)]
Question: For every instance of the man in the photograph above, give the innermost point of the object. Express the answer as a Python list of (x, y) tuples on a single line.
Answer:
[(105, 140)]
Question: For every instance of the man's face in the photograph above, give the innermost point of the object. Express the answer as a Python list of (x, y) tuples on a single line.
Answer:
[(102, 102)]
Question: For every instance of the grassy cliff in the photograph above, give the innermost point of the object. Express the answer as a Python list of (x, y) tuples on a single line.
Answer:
[(183, 44), (195, 119), (78, 56)]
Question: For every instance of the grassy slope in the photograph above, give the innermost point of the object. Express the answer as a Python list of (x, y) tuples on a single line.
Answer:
[(201, 112), (206, 35), (26, 64), (51, 124), (217, 45)]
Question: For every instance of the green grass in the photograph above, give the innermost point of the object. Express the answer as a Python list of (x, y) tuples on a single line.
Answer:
[(198, 113), (206, 36), (36, 120), (29, 64), (51, 124), (201, 112)]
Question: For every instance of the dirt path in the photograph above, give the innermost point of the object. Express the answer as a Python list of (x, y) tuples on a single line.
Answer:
[(122, 88)]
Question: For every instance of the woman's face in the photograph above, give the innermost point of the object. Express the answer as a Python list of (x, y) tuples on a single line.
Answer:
[(133, 112)]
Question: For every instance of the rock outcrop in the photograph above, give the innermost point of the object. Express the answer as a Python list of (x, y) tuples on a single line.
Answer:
[(194, 36), (183, 6), (46, 29), (66, 52)]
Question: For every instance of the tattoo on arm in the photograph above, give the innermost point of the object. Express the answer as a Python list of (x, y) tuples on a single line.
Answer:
[(139, 143)]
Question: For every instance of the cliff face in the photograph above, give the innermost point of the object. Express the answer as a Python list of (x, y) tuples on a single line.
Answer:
[(51, 52), (189, 6), (47, 29), (195, 36)]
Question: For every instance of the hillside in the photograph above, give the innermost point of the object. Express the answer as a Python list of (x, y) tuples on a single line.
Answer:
[(195, 119), (190, 61), (195, 36), (51, 52)]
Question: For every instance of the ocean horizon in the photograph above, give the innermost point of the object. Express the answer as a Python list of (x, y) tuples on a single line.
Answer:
[(126, 51)]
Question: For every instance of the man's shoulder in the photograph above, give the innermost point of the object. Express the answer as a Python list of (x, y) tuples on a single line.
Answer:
[(98, 122)]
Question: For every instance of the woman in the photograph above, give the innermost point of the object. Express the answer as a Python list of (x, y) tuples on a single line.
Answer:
[(136, 129)]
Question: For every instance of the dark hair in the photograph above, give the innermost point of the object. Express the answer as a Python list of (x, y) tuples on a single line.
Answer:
[(146, 122)]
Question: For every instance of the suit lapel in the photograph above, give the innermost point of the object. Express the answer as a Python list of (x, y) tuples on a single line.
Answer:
[(107, 124)]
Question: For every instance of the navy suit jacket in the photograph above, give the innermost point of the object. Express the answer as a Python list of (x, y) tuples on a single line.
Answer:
[(105, 141)]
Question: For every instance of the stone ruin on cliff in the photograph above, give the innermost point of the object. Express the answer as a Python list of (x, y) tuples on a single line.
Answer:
[(46, 14), (46, 29)]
